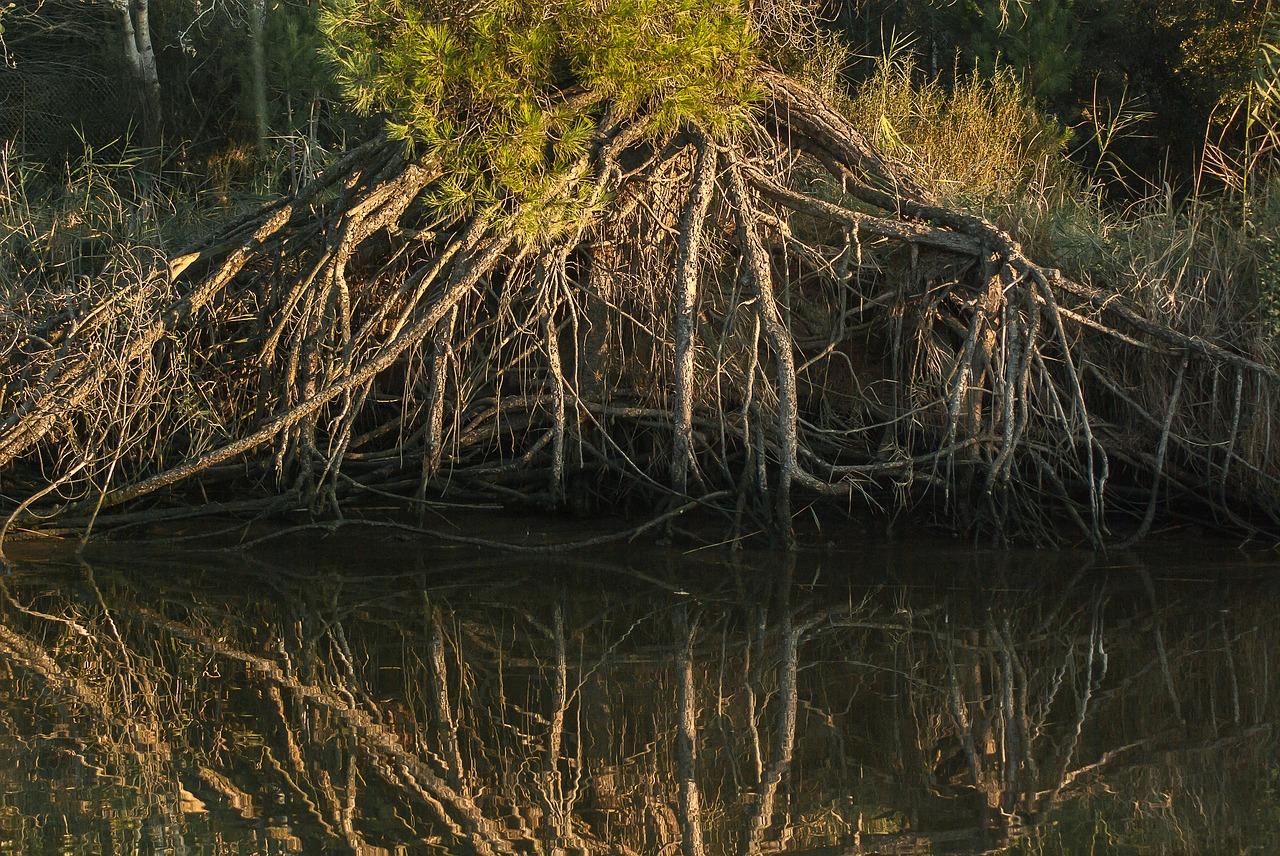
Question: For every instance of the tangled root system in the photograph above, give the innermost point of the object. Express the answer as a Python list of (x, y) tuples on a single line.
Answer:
[(740, 325)]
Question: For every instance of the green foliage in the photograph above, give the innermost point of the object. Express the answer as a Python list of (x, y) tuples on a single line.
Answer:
[(498, 94), (1040, 41), (296, 73), (1215, 46), (1254, 111), (687, 60), (1264, 108), (1262, 122), (301, 126)]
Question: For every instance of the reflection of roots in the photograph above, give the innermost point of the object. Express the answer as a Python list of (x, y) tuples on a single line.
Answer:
[(785, 314), (402, 769), (528, 723)]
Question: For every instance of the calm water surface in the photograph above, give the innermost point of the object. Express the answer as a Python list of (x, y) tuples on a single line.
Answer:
[(371, 696)]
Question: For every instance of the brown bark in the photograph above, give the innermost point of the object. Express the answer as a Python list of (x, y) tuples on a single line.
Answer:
[(690, 798), (690, 243)]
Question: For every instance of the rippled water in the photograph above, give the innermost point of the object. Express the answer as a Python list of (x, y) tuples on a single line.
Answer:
[(375, 696)]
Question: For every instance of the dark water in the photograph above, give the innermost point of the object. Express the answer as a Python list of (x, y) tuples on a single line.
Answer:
[(374, 696)]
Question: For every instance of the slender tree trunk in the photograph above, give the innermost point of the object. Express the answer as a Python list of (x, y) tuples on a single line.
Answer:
[(135, 20), (258, 59), (778, 335), (687, 311)]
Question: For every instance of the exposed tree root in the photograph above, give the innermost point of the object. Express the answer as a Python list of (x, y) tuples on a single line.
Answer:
[(787, 314)]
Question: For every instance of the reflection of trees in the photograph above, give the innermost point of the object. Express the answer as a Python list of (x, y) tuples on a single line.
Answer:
[(564, 716)]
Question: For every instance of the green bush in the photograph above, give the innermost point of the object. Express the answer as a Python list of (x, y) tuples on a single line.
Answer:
[(296, 73)]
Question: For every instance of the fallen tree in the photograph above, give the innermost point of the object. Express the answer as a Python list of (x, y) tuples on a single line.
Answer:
[(608, 249)]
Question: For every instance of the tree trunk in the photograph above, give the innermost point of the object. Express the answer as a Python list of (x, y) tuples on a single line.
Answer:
[(258, 59), (139, 55)]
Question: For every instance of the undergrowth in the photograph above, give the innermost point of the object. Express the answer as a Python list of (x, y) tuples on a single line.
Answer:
[(981, 141), (980, 145), (1194, 258), (64, 223)]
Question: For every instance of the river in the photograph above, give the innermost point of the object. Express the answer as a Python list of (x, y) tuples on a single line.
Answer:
[(359, 694)]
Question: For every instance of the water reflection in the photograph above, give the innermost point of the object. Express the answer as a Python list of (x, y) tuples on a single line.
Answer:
[(236, 707)]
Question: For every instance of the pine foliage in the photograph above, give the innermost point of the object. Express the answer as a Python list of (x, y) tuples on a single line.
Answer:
[(509, 96)]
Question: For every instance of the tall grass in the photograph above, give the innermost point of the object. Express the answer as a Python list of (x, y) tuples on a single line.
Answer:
[(62, 225), (59, 227), (1205, 261), (978, 141), (982, 145), (1198, 260), (94, 238)]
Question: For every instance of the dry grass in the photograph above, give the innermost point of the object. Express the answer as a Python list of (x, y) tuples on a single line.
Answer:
[(1192, 260), (79, 255), (979, 143)]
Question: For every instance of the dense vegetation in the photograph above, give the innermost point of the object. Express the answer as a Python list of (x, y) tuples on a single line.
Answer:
[(679, 254)]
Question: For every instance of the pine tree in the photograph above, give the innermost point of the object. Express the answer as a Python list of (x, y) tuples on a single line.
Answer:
[(610, 244)]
